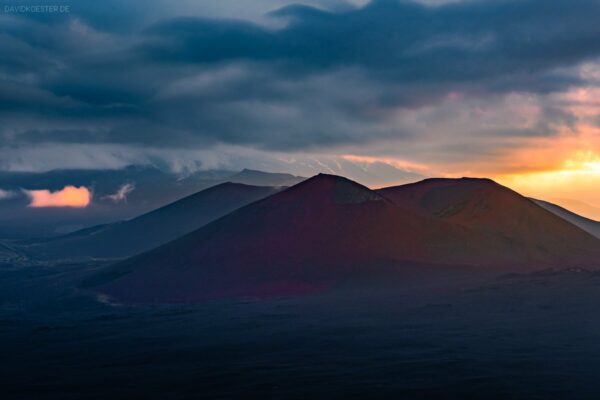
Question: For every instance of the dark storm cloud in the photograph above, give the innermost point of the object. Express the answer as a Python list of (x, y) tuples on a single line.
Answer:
[(502, 42), (108, 73)]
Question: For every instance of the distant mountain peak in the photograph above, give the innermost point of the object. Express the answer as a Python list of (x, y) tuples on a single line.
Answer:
[(262, 178), (228, 184), (248, 171), (252, 171)]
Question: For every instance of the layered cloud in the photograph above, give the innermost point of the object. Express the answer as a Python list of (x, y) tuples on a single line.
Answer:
[(121, 194), (7, 194), (69, 196), (467, 87)]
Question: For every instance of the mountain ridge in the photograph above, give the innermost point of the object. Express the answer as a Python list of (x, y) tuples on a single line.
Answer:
[(126, 238), (328, 229), (263, 178)]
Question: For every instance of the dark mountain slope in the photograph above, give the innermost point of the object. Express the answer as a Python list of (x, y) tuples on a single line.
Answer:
[(150, 230)]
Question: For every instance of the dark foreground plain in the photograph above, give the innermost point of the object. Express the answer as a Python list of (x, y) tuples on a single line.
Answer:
[(531, 336)]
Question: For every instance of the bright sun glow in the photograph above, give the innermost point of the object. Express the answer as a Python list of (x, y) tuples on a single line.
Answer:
[(577, 178), (583, 162)]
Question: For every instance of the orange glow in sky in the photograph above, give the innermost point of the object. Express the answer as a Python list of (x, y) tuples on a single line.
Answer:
[(553, 171), (578, 178), (69, 196)]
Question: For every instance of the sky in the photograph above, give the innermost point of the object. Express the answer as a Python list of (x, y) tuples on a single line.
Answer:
[(506, 89)]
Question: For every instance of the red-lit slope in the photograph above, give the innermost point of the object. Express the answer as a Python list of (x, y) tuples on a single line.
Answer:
[(324, 231), (533, 235)]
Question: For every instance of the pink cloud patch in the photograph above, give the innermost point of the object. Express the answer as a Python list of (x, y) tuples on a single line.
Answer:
[(69, 196)]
